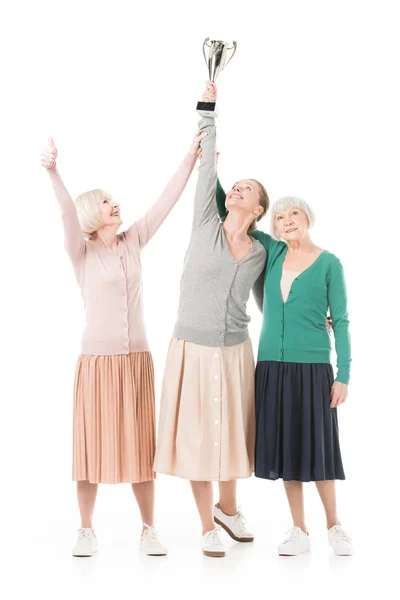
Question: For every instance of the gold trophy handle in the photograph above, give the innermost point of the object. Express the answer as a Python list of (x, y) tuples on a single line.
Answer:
[(204, 45), (233, 53)]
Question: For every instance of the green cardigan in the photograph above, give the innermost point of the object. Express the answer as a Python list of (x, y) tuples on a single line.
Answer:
[(294, 331)]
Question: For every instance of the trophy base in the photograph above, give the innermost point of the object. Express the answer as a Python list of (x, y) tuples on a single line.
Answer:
[(207, 109)]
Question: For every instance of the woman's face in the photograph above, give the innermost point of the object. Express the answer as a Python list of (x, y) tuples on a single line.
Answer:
[(291, 225), (245, 195), (109, 212)]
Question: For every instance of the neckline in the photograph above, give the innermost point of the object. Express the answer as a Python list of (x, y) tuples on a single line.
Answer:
[(291, 270), (238, 262), (297, 276), (116, 252), (300, 273)]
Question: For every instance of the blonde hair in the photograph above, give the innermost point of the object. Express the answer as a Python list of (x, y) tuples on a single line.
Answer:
[(264, 202), (87, 208), (283, 204)]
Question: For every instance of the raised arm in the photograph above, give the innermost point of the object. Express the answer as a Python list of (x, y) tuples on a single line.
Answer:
[(144, 229), (204, 204), (337, 298), (73, 236)]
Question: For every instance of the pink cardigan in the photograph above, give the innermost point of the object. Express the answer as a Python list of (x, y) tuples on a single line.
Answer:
[(110, 282)]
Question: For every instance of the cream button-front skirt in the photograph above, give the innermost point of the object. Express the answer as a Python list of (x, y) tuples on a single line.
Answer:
[(206, 427)]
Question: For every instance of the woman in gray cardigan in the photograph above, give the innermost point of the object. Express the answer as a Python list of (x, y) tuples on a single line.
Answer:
[(207, 422)]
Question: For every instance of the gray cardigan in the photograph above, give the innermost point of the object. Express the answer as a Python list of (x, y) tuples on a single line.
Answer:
[(214, 287)]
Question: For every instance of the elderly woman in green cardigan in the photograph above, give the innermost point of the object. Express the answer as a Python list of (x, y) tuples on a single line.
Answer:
[(296, 394)]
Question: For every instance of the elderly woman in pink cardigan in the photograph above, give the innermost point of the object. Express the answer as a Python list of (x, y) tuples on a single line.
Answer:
[(114, 416)]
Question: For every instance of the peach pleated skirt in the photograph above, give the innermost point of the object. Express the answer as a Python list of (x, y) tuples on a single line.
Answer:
[(207, 418), (114, 419)]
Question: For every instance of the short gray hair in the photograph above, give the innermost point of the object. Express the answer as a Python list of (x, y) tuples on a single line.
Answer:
[(87, 208), (283, 204)]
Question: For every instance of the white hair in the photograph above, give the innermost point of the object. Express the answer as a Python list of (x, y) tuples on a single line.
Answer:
[(87, 208), (283, 204)]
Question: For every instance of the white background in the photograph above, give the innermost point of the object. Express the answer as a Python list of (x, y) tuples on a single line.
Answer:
[(309, 106)]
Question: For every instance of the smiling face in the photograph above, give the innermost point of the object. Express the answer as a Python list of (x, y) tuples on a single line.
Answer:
[(245, 196), (292, 224), (109, 212)]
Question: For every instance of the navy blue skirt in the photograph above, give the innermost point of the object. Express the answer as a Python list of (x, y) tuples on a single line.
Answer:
[(297, 436)]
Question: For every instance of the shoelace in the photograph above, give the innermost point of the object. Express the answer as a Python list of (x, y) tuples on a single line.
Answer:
[(150, 532), (214, 535), (85, 532), (240, 520), (292, 536), (339, 535)]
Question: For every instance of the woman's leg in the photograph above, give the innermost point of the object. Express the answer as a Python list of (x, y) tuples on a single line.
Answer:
[(228, 515), (298, 540), (144, 494), (227, 497), (149, 540), (203, 495), (87, 493), (294, 493), (338, 538), (327, 492)]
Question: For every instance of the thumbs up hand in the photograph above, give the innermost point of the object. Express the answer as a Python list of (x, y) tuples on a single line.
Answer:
[(48, 156)]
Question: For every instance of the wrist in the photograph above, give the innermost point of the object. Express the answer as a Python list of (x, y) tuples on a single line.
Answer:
[(191, 154), (52, 170)]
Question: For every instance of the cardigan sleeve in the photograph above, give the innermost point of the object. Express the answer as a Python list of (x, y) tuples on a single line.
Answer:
[(74, 240), (204, 203), (258, 291), (141, 232), (221, 197), (337, 299)]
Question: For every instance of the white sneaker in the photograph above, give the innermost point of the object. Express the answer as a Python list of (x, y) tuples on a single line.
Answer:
[(212, 545), (295, 543), (150, 543), (234, 526), (340, 541), (86, 544)]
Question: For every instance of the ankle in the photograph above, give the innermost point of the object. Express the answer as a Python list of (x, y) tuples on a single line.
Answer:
[(302, 527), (208, 527), (230, 510), (147, 525), (332, 523)]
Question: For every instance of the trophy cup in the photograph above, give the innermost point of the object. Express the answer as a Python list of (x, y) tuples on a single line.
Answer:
[(216, 62), (217, 56)]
